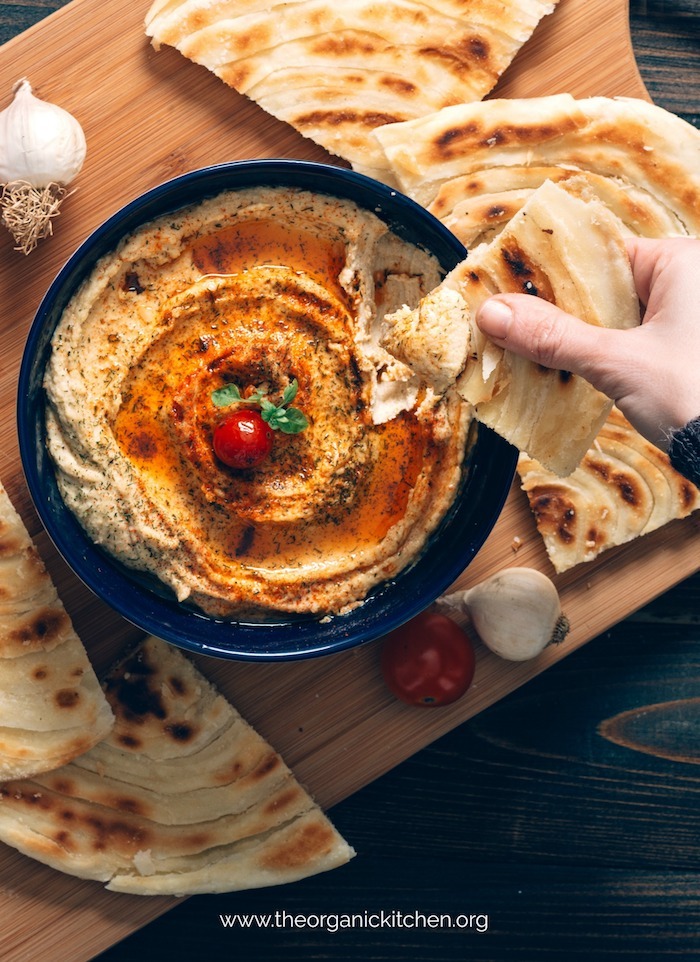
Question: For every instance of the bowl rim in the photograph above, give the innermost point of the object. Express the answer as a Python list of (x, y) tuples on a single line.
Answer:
[(128, 592)]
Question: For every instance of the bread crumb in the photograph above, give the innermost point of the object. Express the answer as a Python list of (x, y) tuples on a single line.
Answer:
[(143, 862)]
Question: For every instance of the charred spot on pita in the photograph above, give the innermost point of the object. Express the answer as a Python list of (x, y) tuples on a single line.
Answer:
[(554, 512), (108, 832), (236, 74), (42, 627), (449, 143), (467, 52), (67, 697), (517, 262), (9, 543), (688, 494), (398, 85), (625, 484), (126, 804), (336, 118), (284, 800), (134, 699), (629, 490), (132, 692), (64, 786), (478, 48), (311, 842), (230, 773), (35, 799), (180, 731), (129, 741), (344, 44), (63, 838), (267, 765), (598, 467), (177, 684)]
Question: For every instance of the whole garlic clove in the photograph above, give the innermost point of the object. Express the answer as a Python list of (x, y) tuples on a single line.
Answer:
[(516, 612)]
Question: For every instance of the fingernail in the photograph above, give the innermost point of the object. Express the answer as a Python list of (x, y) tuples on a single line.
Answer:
[(494, 318)]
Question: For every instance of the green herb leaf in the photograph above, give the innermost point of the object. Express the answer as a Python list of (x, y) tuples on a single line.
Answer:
[(295, 421), (290, 392), (280, 418), (228, 394), (268, 409)]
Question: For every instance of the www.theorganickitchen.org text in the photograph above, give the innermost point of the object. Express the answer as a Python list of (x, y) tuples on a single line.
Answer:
[(340, 921)]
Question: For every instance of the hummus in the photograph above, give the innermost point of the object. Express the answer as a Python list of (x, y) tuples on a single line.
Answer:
[(255, 287)]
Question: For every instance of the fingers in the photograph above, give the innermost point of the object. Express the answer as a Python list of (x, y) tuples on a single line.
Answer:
[(536, 329), (664, 264), (643, 253)]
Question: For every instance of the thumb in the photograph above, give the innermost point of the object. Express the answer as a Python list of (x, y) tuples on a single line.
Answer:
[(538, 330)]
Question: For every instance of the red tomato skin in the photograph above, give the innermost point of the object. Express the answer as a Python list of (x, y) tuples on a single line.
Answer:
[(243, 439), (429, 661)]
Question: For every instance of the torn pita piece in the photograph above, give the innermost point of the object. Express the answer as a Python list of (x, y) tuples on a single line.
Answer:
[(336, 71), (624, 488), (51, 705), (182, 797), (561, 247)]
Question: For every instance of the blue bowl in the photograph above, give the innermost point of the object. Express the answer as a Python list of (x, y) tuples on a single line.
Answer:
[(144, 601)]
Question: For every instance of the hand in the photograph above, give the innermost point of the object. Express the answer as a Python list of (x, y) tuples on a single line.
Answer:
[(652, 372)]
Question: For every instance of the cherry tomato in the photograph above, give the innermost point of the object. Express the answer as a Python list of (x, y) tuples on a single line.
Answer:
[(243, 439), (428, 661)]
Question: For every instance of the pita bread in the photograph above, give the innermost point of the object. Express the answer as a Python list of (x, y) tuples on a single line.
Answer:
[(337, 71), (567, 250), (51, 705), (182, 797), (475, 165), (625, 487)]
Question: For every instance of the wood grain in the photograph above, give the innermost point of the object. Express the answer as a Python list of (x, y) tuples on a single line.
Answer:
[(149, 116), (667, 42)]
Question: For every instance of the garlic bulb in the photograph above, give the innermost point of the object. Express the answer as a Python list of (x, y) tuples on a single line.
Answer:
[(40, 143), (42, 149), (516, 612)]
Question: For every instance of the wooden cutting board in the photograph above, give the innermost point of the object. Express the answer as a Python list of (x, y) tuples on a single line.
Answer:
[(149, 116)]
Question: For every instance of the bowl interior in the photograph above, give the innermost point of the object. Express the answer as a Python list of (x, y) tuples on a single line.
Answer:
[(141, 599)]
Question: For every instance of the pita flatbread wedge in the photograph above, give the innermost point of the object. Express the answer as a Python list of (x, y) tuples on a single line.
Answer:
[(51, 705), (624, 488), (337, 71), (561, 247), (475, 165), (182, 797)]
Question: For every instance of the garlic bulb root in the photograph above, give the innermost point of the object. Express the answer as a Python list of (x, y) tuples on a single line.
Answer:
[(516, 612), (42, 149), (28, 212)]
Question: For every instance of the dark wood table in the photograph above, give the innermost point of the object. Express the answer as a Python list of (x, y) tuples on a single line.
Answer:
[(563, 823)]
